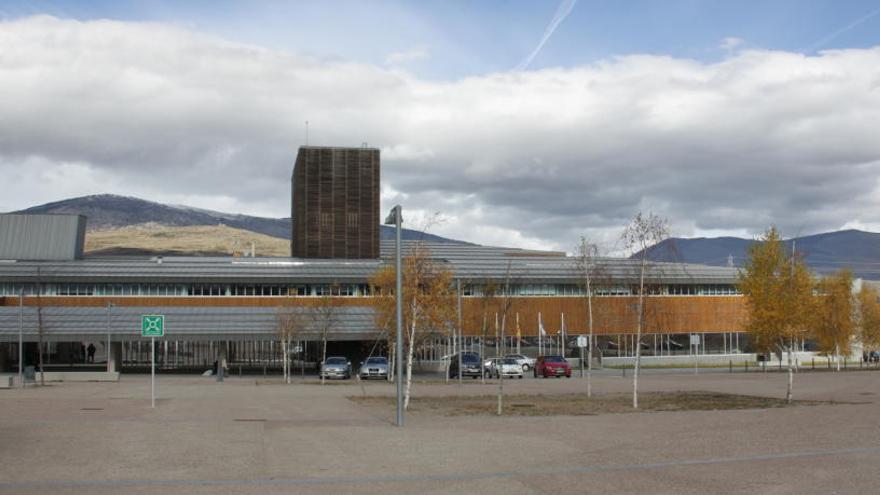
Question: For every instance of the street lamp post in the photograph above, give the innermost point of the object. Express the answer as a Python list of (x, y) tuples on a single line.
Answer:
[(395, 218)]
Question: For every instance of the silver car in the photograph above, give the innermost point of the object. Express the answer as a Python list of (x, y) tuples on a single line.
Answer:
[(374, 367), (336, 367), (506, 366), (526, 363)]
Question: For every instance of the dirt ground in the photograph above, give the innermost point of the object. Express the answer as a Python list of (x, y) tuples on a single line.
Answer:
[(577, 404), (262, 436)]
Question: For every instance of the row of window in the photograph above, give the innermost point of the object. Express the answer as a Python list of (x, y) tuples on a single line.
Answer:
[(7, 289)]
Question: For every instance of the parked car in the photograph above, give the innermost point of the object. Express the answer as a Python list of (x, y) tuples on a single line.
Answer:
[(509, 367), (471, 365), (336, 367), (525, 362), (547, 366), (374, 367)]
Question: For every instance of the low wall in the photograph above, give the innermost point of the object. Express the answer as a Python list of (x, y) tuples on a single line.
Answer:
[(78, 376), (6, 381), (703, 359)]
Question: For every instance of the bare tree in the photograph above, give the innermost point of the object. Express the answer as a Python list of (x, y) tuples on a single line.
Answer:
[(643, 232), (39, 290), (505, 308), (590, 273), (290, 322), (324, 319)]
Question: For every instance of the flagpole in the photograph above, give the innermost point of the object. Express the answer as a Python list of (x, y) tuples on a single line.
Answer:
[(518, 335), (540, 335), (562, 343)]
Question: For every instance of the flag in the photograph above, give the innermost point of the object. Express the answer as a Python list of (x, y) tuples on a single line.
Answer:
[(541, 325), (518, 333)]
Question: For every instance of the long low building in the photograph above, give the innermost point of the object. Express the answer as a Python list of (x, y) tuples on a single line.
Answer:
[(231, 306)]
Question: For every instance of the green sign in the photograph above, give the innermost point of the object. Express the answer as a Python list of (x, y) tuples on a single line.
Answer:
[(152, 325)]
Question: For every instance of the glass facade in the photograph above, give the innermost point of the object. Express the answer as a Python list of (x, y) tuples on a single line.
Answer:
[(305, 290)]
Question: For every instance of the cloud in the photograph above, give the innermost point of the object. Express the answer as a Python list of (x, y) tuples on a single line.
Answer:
[(731, 43), (531, 158), (405, 57)]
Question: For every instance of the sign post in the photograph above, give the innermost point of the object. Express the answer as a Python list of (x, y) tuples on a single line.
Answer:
[(152, 326)]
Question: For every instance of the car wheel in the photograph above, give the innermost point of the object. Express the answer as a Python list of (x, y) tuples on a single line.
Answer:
[(520, 377), (525, 367)]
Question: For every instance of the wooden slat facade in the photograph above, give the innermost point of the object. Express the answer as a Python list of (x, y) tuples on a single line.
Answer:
[(612, 315), (335, 204)]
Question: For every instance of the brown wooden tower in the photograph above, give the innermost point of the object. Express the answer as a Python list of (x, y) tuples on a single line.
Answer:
[(335, 206)]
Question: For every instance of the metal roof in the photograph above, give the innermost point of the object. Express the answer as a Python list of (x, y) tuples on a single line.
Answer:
[(56, 237), (65, 324), (468, 263)]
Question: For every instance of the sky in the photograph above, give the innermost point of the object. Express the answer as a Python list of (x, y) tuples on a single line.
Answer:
[(516, 123)]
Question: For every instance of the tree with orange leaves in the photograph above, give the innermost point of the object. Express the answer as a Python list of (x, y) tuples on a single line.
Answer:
[(428, 302), (779, 298)]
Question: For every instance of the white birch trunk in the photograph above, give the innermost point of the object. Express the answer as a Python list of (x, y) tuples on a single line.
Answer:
[(409, 358), (788, 393), (837, 353), (590, 343), (639, 336)]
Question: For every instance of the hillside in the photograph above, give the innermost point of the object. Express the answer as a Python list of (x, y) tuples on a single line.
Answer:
[(824, 253), (109, 211), (201, 240)]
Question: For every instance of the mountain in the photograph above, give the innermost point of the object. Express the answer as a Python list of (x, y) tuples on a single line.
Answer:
[(195, 240), (824, 253), (109, 211)]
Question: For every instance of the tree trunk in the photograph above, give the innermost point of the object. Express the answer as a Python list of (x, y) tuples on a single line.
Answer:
[(323, 355), (392, 363), (638, 342), (40, 344), (790, 378), (409, 359), (837, 353), (590, 343)]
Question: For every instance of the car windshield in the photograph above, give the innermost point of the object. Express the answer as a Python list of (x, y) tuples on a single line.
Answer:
[(377, 360), (336, 360), (514, 356), (470, 358), (554, 359), (509, 361)]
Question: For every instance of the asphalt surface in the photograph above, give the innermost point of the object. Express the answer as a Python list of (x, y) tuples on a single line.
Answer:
[(255, 435)]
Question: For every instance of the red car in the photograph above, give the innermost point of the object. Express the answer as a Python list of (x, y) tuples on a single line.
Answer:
[(547, 366)]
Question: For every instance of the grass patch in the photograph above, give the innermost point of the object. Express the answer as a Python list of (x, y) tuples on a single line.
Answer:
[(579, 405)]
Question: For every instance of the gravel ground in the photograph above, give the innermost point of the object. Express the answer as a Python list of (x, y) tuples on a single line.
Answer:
[(261, 436)]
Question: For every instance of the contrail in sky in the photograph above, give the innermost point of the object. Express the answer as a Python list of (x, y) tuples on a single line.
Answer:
[(565, 8), (840, 31)]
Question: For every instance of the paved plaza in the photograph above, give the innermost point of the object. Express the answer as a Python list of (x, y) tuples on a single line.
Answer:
[(257, 435)]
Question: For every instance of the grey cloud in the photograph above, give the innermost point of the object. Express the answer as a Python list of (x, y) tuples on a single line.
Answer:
[(531, 157)]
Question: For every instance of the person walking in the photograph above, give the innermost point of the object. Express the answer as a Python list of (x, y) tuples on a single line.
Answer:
[(91, 350)]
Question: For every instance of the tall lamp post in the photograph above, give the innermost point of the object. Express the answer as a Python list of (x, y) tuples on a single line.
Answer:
[(395, 218)]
